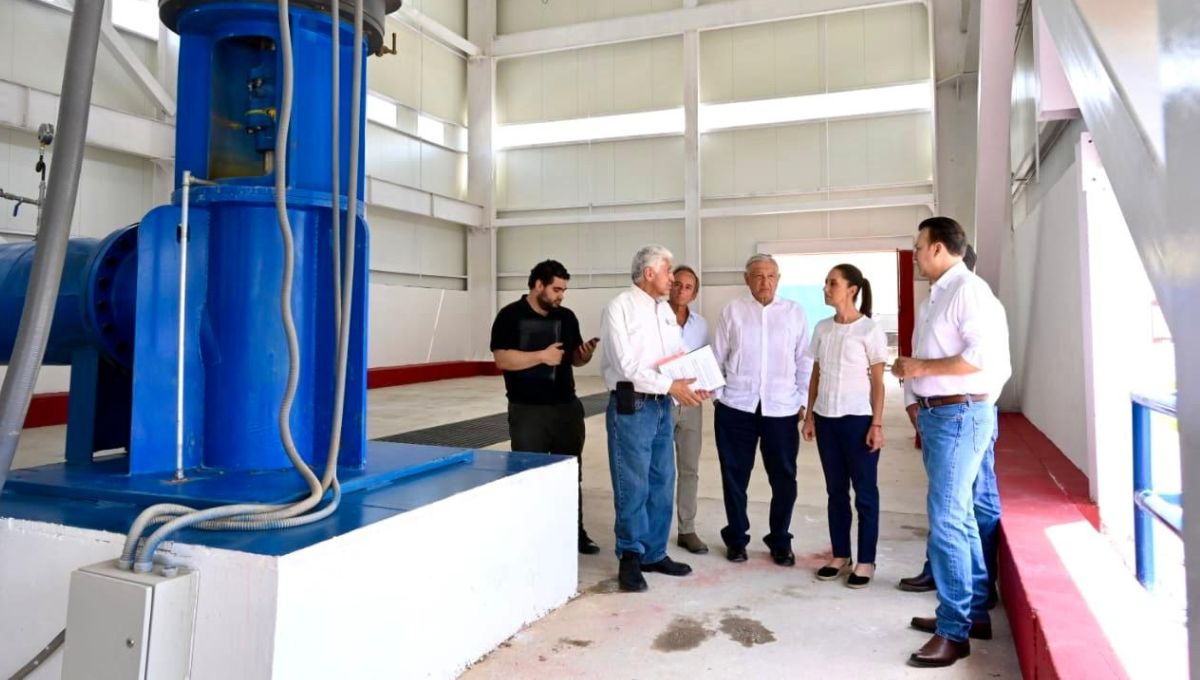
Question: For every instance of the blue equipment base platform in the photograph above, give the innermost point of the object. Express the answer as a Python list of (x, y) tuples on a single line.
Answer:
[(397, 478)]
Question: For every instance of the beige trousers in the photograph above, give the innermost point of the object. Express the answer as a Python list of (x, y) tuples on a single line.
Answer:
[(688, 421)]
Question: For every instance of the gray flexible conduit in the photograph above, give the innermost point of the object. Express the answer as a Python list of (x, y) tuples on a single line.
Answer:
[(41, 295)]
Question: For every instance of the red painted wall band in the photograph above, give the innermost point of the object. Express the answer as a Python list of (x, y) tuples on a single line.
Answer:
[(51, 408)]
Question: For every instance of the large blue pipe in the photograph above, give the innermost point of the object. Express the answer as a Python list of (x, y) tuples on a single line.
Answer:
[(96, 300)]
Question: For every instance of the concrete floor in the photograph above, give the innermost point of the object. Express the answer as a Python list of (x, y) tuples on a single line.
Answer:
[(749, 620)]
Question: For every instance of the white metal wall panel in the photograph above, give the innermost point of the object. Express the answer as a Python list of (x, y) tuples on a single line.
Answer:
[(392, 156), (443, 83), (423, 75), (450, 13), (586, 248), (408, 244), (789, 159), (801, 157), (595, 81), (633, 171), (34, 37), (561, 185), (443, 171), (728, 241), (527, 15), (114, 189), (901, 221), (399, 75)]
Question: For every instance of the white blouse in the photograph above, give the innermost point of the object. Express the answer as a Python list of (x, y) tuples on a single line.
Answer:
[(845, 353)]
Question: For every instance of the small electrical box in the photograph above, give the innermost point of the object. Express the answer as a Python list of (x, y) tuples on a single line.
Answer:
[(127, 626)]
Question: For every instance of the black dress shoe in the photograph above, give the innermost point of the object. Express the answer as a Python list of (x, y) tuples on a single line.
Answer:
[(921, 583), (980, 630), (586, 545), (668, 566), (940, 651), (629, 576), (735, 553), (784, 558)]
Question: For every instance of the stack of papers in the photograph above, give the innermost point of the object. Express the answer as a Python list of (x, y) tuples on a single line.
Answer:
[(700, 364)]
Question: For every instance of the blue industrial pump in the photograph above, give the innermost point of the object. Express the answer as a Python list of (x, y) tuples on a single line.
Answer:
[(117, 322)]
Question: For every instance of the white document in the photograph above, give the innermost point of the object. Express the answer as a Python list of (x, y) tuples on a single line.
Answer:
[(700, 364)]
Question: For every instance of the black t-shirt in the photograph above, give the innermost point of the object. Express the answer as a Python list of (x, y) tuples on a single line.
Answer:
[(518, 327)]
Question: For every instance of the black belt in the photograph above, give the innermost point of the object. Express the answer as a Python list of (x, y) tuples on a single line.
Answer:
[(930, 402), (643, 395)]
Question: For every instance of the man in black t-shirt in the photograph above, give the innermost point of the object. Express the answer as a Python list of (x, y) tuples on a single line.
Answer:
[(530, 339)]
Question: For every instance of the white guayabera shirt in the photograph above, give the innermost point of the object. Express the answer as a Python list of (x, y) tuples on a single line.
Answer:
[(763, 352)]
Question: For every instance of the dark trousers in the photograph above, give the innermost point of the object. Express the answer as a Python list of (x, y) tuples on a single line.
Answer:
[(550, 428), (847, 462), (738, 436)]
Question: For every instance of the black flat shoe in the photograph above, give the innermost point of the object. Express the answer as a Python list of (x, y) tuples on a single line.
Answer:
[(668, 566), (856, 581), (737, 554), (830, 572)]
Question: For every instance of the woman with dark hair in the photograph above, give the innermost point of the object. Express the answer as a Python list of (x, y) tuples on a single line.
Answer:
[(845, 414)]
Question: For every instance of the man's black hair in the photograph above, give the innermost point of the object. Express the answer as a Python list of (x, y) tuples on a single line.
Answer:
[(546, 271)]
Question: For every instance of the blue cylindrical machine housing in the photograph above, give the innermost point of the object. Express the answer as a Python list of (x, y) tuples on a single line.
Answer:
[(236, 356)]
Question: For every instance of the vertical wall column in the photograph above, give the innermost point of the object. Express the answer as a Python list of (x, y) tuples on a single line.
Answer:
[(691, 147), (481, 175), (993, 181), (1179, 35)]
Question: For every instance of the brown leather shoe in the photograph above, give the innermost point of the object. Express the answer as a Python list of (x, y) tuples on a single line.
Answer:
[(921, 583), (940, 651), (692, 544), (980, 630)]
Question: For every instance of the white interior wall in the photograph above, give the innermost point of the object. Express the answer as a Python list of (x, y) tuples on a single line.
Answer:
[(1041, 291), (634, 76), (830, 53), (805, 162), (588, 175), (527, 15), (34, 36)]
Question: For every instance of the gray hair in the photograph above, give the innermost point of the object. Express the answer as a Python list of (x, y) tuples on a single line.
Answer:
[(760, 257), (648, 256)]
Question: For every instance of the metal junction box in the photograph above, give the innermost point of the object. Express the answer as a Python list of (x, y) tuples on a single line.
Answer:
[(127, 626)]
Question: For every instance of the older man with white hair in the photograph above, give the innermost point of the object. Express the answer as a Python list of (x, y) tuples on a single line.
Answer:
[(762, 346), (638, 331)]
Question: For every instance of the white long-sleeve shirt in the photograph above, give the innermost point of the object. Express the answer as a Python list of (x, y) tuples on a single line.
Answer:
[(636, 333), (763, 352), (695, 331), (962, 316), (845, 353)]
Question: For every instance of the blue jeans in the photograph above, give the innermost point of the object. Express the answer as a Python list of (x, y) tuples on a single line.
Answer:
[(987, 511), (641, 460), (954, 439), (739, 435), (846, 460)]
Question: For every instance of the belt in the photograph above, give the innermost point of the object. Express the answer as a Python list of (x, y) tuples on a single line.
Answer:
[(643, 395), (930, 402)]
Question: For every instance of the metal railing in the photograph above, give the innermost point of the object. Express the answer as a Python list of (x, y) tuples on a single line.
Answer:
[(1150, 505)]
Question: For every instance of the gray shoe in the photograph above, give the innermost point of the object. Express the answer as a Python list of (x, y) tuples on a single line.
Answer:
[(692, 543)]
